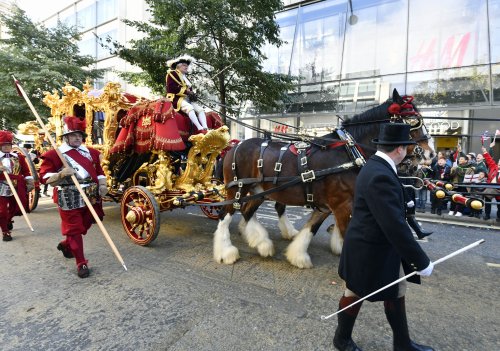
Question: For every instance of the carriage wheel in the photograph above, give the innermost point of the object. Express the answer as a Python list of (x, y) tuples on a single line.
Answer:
[(212, 212), (140, 215), (33, 195)]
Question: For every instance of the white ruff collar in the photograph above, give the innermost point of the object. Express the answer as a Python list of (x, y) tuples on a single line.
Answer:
[(65, 148)]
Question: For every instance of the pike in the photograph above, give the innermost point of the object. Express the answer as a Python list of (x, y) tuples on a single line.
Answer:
[(22, 93), (18, 200), (442, 259)]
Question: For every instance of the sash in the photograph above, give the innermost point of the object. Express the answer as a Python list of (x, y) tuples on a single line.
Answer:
[(84, 162)]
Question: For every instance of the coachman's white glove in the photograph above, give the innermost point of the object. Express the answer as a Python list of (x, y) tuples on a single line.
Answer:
[(30, 185), (103, 189), (428, 271), (3, 168)]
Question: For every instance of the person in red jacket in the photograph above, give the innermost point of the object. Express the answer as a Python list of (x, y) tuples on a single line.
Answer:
[(84, 163), (15, 165), (180, 92), (493, 177)]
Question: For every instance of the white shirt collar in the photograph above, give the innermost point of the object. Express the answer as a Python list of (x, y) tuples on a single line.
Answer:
[(388, 159), (12, 154), (65, 148)]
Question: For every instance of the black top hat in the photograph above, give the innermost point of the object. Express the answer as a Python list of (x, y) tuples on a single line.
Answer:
[(394, 134)]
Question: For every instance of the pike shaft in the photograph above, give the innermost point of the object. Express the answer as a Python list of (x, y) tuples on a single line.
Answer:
[(442, 259)]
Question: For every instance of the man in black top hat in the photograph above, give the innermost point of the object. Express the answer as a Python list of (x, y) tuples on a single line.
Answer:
[(379, 247)]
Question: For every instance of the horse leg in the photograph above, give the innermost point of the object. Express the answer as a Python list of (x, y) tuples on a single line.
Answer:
[(286, 227), (253, 232), (296, 252), (224, 251), (342, 214)]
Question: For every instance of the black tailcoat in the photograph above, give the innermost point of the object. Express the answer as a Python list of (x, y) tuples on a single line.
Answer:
[(378, 238)]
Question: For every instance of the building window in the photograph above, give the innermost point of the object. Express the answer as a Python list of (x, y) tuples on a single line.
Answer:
[(106, 10), (376, 44), (447, 33), (86, 17), (103, 52), (88, 47), (448, 87)]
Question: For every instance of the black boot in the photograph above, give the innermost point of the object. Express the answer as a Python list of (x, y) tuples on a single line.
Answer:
[(416, 227), (395, 312), (346, 319)]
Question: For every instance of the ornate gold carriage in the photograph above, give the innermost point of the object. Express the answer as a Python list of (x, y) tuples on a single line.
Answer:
[(145, 173)]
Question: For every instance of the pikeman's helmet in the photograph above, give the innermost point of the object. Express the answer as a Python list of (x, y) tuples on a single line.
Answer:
[(72, 124), (6, 137)]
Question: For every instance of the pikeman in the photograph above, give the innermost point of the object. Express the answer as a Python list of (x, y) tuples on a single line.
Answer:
[(15, 165), (84, 163), (180, 92)]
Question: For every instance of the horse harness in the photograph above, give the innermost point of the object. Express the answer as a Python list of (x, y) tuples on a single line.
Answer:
[(303, 150)]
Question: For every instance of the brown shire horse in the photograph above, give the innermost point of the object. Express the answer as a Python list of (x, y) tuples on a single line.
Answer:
[(332, 193)]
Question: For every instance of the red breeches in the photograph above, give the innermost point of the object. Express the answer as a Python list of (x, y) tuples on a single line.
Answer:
[(8, 208)]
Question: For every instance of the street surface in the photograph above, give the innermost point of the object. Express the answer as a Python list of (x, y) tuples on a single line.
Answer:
[(175, 297)]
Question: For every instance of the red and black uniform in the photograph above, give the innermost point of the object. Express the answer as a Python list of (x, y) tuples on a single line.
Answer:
[(19, 172), (75, 215), (177, 88)]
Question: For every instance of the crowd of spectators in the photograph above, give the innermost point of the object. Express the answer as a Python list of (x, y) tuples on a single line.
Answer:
[(458, 167)]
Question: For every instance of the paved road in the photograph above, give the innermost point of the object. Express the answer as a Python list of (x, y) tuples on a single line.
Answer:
[(175, 297)]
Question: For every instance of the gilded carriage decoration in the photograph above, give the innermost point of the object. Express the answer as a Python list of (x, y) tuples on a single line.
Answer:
[(152, 160)]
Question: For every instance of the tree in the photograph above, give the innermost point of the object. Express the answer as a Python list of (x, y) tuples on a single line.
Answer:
[(226, 38), (42, 59)]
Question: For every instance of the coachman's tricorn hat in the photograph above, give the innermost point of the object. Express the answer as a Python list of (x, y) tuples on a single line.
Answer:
[(72, 124), (394, 134), (181, 59), (6, 137)]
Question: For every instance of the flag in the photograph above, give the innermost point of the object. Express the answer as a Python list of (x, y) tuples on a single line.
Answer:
[(484, 137)]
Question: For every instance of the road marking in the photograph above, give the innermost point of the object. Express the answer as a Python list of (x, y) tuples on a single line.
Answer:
[(494, 265)]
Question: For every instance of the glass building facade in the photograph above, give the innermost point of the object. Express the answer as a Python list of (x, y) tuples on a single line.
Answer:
[(99, 21), (445, 53)]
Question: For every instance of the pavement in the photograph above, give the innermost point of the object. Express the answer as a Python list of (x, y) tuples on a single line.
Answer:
[(465, 220)]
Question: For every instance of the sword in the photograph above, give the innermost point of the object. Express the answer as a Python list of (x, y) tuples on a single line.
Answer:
[(442, 259), (22, 93)]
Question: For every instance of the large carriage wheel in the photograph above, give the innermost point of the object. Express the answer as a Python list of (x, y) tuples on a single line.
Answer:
[(140, 215), (33, 195), (212, 212)]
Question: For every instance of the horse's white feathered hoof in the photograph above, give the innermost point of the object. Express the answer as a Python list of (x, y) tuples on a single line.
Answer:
[(300, 261), (266, 248), (336, 241), (287, 229), (229, 255)]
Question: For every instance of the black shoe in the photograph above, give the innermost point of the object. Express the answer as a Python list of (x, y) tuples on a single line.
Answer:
[(66, 251), (414, 347), (423, 234), (83, 271), (433, 211), (438, 212), (10, 225), (7, 237), (348, 345), (486, 217)]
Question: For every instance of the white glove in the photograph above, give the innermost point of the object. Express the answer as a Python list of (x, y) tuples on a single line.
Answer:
[(30, 185), (103, 189), (3, 168), (66, 172), (428, 271)]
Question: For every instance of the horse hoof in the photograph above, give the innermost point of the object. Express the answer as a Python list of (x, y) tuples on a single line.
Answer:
[(301, 262), (230, 256), (266, 248)]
